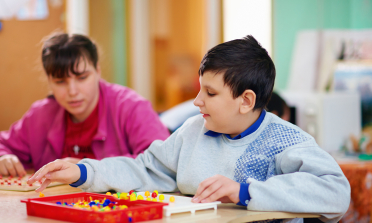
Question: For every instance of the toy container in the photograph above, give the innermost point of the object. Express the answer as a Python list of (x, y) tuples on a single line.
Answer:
[(46, 207)]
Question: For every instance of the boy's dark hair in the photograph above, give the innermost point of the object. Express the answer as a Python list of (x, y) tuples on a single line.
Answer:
[(246, 65), (62, 53)]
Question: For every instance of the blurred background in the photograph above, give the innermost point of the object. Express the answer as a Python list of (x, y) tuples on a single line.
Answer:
[(321, 49)]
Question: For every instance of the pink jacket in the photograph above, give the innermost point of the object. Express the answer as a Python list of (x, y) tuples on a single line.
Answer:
[(127, 125)]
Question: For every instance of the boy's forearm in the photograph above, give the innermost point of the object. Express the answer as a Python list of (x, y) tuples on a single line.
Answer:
[(146, 172), (309, 181)]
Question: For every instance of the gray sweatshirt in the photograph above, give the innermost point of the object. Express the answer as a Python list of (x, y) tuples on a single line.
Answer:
[(285, 168)]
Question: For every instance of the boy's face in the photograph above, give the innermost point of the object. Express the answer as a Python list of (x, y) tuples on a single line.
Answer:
[(220, 110), (78, 94)]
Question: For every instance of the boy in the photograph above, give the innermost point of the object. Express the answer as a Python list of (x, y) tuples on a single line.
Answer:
[(85, 117), (234, 152)]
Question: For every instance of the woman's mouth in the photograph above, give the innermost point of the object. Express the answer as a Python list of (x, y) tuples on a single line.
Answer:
[(75, 103)]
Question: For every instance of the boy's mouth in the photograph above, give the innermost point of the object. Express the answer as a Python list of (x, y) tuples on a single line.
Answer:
[(204, 115)]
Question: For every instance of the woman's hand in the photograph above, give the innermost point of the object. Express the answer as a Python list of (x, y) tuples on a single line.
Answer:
[(10, 165), (58, 170), (217, 188)]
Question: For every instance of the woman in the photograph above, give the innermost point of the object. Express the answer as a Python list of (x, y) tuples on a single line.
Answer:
[(85, 117)]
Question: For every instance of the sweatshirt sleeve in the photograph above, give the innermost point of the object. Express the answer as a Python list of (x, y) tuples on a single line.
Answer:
[(309, 180), (14, 141), (155, 169)]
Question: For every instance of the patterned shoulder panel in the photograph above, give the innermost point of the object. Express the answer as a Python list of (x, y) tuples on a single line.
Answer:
[(258, 161)]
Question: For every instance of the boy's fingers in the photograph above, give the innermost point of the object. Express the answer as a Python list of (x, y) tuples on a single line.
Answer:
[(215, 195), (60, 176), (41, 173), (203, 185), (43, 185), (206, 189), (209, 191)]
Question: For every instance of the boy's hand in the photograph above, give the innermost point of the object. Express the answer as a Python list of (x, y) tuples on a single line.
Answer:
[(58, 170), (217, 188), (71, 160), (10, 165)]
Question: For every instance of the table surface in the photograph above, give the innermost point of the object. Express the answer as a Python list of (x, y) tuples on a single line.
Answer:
[(12, 210)]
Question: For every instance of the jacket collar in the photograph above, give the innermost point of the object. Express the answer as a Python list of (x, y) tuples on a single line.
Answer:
[(57, 131), (102, 113)]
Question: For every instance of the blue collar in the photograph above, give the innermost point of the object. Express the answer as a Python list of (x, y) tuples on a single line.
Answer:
[(248, 131)]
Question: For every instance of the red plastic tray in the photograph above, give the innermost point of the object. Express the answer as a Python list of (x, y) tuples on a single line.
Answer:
[(46, 207)]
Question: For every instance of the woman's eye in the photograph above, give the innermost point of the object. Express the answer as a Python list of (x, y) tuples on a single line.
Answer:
[(82, 77), (60, 81), (210, 94)]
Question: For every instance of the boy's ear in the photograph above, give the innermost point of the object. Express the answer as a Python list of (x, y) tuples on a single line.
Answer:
[(248, 101)]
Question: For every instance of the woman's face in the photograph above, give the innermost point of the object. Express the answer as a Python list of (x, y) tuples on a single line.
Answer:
[(79, 95)]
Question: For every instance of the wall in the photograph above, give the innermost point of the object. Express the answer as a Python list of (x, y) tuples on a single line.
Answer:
[(291, 16), (107, 25), (22, 79), (178, 39)]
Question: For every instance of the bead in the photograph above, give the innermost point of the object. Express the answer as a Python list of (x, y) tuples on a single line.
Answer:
[(147, 193), (124, 196), (139, 197), (133, 197), (108, 193), (171, 199), (161, 197), (154, 195), (130, 192), (41, 194)]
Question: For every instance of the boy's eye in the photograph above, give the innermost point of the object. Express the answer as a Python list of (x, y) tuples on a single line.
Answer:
[(210, 94)]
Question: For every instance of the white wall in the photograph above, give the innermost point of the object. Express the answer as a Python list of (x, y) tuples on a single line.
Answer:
[(243, 17)]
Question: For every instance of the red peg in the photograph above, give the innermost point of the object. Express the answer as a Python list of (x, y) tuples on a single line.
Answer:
[(154, 195)]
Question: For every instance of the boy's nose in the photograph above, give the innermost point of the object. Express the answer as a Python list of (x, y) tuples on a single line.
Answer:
[(198, 102)]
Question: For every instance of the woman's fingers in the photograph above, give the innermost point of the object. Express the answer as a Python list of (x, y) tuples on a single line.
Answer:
[(18, 166), (3, 169), (9, 166)]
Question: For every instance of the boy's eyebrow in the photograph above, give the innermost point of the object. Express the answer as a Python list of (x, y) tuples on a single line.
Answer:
[(208, 86)]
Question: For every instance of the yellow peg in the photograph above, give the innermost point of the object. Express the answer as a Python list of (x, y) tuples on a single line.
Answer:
[(171, 199), (147, 193)]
